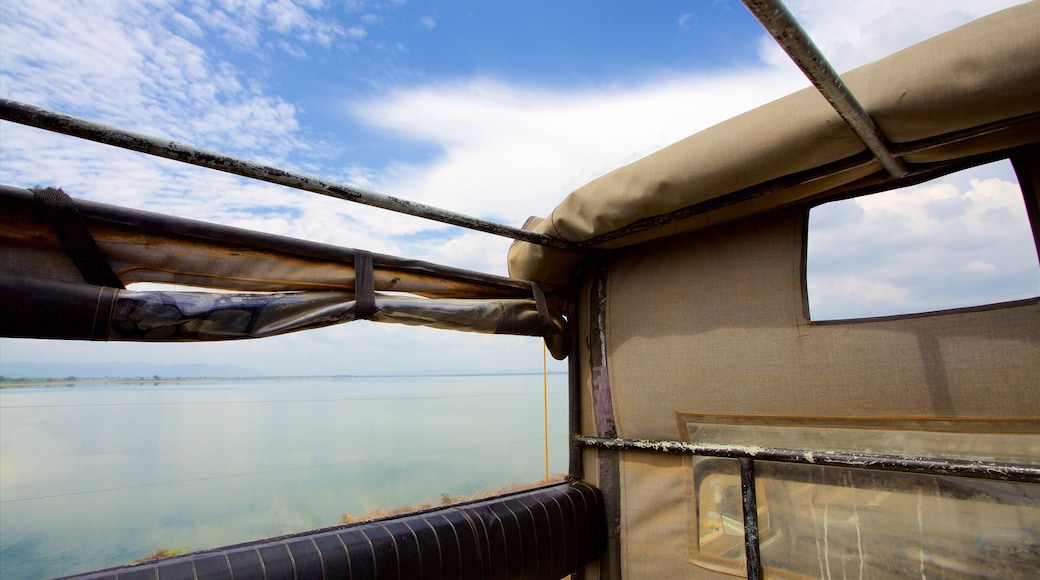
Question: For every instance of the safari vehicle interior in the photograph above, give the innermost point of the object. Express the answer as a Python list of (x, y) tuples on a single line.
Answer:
[(718, 426)]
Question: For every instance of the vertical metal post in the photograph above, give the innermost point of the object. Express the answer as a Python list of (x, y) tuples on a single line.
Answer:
[(747, 488), (609, 461), (575, 467)]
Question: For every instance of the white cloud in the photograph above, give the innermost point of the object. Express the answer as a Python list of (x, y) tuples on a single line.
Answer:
[(510, 152), (684, 21), (980, 266), (479, 252), (852, 34), (870, 297), (428, 22)]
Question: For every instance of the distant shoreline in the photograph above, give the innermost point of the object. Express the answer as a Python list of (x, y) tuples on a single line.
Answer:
[(156, 380), (34, 382)]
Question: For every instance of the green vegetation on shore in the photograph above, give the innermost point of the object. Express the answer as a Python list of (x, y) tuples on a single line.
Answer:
[(69, 381), (156, 379)]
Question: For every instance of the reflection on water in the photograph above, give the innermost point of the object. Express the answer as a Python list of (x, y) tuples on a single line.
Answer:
[(101, 474)]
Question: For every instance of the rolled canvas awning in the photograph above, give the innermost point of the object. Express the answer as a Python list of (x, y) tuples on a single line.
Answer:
[(970, 91), (64, 265)]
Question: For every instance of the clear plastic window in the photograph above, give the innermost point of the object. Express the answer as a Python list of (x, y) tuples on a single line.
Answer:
[(824, 522), (832, 522)]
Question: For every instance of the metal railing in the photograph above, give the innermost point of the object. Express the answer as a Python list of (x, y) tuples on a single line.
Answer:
[(747, 456)]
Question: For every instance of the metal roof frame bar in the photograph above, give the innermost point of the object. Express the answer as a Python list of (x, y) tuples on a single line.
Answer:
[(790, 35), (40, 118)]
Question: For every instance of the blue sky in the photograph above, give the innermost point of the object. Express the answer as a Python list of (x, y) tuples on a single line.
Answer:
[(494, 109)]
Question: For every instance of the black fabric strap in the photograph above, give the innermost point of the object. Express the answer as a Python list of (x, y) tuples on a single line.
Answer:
[(364, 286), (544, 322), (75, 238)]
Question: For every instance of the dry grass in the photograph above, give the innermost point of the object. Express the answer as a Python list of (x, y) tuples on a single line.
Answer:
[(161, 553), (446, 499)]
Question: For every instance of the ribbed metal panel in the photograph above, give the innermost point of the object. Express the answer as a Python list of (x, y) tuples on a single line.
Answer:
[(546, 533)]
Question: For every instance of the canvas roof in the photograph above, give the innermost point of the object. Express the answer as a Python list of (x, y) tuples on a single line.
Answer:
[(936, 101)]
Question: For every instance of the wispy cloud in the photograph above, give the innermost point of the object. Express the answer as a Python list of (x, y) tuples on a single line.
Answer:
[(140, 66), (852, 34), (510, 152), (246, 21)]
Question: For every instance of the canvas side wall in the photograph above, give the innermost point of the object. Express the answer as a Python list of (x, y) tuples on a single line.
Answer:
[(713, 324)]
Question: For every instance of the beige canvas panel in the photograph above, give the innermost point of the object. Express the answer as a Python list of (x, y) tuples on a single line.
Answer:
[(982, 72), (712, 322), (192, 253), (838, 185)]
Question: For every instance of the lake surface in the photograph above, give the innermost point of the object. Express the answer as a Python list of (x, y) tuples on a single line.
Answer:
[(97, 475)]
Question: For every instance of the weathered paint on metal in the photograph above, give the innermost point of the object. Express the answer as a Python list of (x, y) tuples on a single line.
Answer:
[(963, 467), (603, 406), (790, 35), (67, 125), (609, 462), (750, 504)]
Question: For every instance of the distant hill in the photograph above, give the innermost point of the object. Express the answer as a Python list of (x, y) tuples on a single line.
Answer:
[(33, 370)]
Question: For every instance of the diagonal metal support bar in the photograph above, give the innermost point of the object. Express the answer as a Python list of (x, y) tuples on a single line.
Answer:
[(29, 115), (790, 35)]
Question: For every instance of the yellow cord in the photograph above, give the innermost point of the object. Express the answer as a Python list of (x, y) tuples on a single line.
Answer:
[(545, 408)]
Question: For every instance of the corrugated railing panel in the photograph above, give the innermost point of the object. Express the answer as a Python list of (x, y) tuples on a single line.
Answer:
[(547, 533)]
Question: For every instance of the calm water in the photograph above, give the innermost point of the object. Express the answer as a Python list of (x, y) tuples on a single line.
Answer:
[(101, 474)]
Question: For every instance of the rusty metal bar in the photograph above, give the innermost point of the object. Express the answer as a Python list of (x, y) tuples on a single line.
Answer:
[(962, 467), (609, 466), (32, 116), (790, 35), (752, 549)]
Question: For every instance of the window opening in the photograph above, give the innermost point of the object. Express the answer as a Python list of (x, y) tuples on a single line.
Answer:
[(958, 241), (185, 464)]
